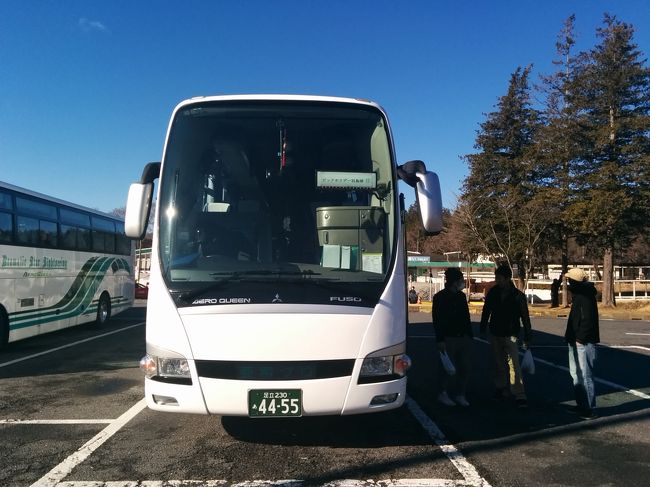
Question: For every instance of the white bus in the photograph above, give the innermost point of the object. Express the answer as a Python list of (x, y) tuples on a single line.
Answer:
[(60, 265), (277, 283)]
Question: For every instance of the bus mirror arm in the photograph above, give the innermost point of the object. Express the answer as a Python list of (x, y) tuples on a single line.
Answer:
[(427, 194), (150, 173), (138, 203)]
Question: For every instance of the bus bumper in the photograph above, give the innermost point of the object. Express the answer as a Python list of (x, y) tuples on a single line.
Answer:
[(319, 397), (175, 398)]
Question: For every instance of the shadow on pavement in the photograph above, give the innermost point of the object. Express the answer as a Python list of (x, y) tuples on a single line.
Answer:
[(549, 390)]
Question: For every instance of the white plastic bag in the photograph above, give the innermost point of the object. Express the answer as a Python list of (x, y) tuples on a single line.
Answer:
[(527, 362), (447, 364)]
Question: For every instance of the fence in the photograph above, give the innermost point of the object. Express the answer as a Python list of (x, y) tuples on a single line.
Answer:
[(634, 290), (540, 291)]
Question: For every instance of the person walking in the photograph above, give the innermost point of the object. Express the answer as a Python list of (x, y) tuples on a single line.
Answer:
[(582, 335), (413, 295), (505, 311), (555, 292), (453, 327)]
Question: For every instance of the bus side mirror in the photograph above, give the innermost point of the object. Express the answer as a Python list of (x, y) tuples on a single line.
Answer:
[(138, 203), (138, 207), (430, 202), (427, 194)]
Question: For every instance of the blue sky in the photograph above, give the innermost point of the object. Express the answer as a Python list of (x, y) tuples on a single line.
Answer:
[(87, 87)]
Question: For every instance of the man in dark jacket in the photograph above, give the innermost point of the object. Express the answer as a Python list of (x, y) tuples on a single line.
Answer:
[(505, 310), (582, 335), (453, 327), (413, 295)]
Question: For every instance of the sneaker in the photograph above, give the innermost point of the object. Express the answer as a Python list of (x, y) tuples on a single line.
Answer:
[(522, 403), (461, 401), (588, 414), (444, 398)]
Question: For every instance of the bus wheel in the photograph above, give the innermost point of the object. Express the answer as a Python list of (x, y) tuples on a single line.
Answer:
[(103, 309), (4, 329)]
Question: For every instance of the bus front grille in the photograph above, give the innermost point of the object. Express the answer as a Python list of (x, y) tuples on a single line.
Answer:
[(274, 371)]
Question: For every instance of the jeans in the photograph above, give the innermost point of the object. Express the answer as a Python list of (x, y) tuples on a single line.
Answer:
[(581, 366)]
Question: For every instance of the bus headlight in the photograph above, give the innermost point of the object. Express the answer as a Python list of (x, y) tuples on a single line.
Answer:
[(173, 367), (374, 366), (165, 367), (384, 368)]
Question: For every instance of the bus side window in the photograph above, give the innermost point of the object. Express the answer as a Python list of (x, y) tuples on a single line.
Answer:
[(6, 227)]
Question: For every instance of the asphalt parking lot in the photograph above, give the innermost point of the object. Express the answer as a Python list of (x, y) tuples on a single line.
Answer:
[(71, 414)]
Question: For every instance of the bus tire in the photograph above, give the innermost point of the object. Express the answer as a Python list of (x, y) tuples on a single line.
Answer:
[(103, 309), (4, 329)]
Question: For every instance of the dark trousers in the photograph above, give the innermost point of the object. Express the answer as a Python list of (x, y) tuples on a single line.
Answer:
[(459, 350)]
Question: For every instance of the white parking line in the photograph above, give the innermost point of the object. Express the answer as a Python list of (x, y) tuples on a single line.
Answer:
[(638, 347), (183, 483), (465, 468), (56, 421), (265, 483), (11, 362), (601, 345), (613, 385), (639, 334), (54, 478), (58, 473)]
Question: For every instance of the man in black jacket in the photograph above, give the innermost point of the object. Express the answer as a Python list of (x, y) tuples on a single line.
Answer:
[(453, 327), (505, 310), (582, 335)]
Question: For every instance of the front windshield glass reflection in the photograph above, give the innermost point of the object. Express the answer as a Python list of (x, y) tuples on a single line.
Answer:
[(282, 194)]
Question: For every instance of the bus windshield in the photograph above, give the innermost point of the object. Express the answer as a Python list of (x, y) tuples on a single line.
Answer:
[(264, 202)]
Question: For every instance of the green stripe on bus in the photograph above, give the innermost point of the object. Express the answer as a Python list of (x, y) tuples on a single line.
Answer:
[(77, 301), (81, 276), (75, 294)]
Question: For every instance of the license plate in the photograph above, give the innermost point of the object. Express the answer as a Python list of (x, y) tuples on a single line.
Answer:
[(275, 402)]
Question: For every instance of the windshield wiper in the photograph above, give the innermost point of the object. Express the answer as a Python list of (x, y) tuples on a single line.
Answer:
[(267, 272), (189, 296)]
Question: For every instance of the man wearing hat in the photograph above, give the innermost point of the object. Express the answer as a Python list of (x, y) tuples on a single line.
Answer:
[(582, 335)]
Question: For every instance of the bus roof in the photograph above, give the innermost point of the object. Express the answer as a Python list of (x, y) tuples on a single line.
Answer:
[(279, 97), (52, 199)]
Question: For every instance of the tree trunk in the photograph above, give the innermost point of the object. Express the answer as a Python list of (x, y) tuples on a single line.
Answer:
[(518, 276), (565, 268), (608, 279)]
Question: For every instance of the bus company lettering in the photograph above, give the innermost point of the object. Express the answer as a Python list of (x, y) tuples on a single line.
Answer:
[(222, 301), (37, 274), (23, 262)]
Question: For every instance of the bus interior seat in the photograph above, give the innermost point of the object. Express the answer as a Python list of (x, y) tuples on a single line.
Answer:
[(241, 233)]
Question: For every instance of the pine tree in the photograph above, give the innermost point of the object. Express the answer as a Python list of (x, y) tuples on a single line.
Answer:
[(560, 140), (612, 98), (500, 206)]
